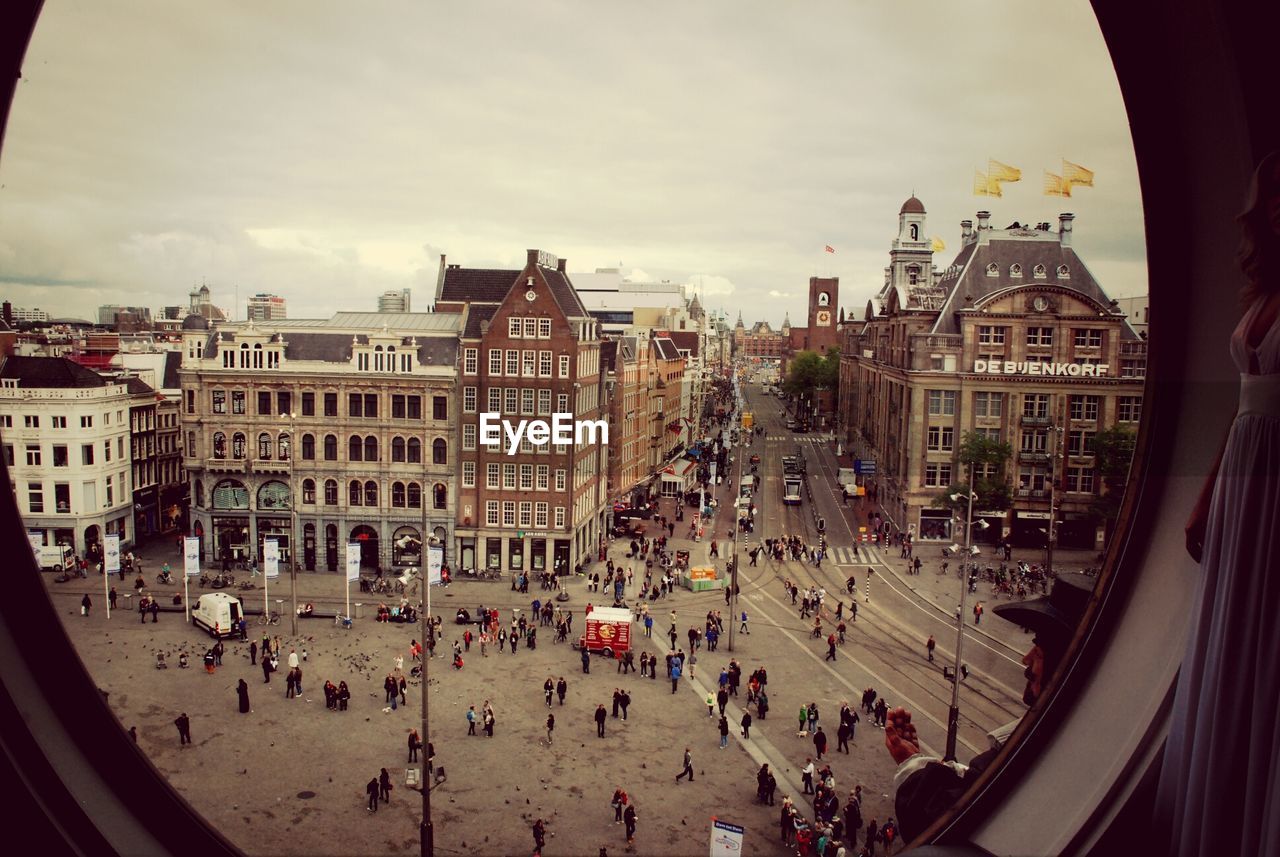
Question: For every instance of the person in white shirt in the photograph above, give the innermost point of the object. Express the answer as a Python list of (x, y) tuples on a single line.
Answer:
[(293, 659)]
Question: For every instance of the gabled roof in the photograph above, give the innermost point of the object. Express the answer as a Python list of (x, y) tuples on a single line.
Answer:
[(477, 317), (687, 340), (50, 372), (475, 285), (665, 348), (137, 386)]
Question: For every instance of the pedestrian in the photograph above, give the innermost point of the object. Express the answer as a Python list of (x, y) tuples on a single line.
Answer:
[(806, 775), (831, 648), (600, 716), (384, 787), (539, 836), (724, 731), (562, 687), (155, 611), (629, 820), (111, 598), (842, 737), (85, 604), (489, 720), (415, 744), (804, 720), (746, 724), (266, 670), (872, 831), (471, 720), (551, 725), (820, 742), (688, 766), (619, 802), (977, 613), (344, 694), (586, 661), (184, 729), (711, 703), (675, 674), (372, 790), (218, 649), (743, 629), (722, 699), (625, 699), (929, 646), (253, 653), (242, 689)]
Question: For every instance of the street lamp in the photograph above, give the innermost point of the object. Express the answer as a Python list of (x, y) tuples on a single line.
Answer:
[(953, 714), (291, 418)]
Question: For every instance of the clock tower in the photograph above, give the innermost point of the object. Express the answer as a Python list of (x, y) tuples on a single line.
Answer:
[(824, 297)]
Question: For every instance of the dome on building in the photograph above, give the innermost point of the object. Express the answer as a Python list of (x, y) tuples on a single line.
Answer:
[(912, 206), (195, 322)]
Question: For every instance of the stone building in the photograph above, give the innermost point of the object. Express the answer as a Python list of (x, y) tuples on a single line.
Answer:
[(1014, 339)]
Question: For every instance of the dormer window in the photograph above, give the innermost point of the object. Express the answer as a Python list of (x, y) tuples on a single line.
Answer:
[(1015, 270), (1039, 272), (1064, 273), (993, 270)]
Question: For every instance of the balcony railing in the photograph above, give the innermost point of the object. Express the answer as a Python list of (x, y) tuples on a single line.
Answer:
[(1031, 456), (1029, 420)]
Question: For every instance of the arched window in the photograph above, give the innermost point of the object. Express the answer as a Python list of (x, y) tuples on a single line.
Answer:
[(264, 446), (406, 546), (331, 492), (219, 445), (415, 450), (309, 492), (439, 451), (230, 494), (199, 493), (397, 449), (913, 274), (377, 359), (308, 447), (397, 495), (371, 493), (415, 495), (282, 445), (438, 495), (330, 448), (1064, 273), (355, 448), (993, 270), (1015, 270), (370, 448), (915, 232), (353, 493), (1039, 272), (274, 495), (238, 443)]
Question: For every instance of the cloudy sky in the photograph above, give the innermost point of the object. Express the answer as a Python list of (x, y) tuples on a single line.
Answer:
[(327, 153)]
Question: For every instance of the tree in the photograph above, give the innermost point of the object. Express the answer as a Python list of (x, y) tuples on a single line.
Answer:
[(810, 371), (1113, 453), (978, 451)]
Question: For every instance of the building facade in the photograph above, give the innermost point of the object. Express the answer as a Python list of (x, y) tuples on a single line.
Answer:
[(66, 441), (264, 307), (1014, 340), (321, 433), (529, 350), (395, 301)]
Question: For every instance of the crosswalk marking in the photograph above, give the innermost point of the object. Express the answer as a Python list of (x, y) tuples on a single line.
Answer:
[(800, 438), (866, 554)]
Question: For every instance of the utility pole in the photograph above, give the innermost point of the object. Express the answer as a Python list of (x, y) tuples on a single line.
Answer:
[(426, 832), (953, 713)]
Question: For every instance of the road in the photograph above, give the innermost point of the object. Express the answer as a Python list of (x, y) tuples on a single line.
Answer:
[(885, 647)]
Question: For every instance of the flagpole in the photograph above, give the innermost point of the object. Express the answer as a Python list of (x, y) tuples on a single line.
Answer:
[(106, 588)]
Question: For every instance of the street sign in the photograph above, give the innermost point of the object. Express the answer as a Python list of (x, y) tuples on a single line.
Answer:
[(868, 468), (726, 839)]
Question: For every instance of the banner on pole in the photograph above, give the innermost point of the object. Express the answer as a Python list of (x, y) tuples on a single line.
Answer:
[(271, 558), (726, 839), (111, 553), (191, 556), (435, 563), (353, 561)]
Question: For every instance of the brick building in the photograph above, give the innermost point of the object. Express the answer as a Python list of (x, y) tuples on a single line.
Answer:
[(529, 349)]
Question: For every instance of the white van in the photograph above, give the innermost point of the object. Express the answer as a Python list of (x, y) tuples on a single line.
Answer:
[(55, 557), (217, 612)]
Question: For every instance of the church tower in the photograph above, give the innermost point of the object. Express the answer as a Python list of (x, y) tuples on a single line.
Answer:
[(911, 256), (824, 297)]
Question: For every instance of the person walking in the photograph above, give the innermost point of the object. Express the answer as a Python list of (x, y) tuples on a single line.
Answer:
[(242, 690), (551, 725), (372, 791), (471, 720), (746, 724), (724, 731), (601, 715), (675, 674), (539, 837), (415, 744), (688, 766), (625, 701), (820, 743), (743, 629), (111, 598), (842, 737), (253, 653), (806, 775), (629, 820), (85, 604), (384, 787), (831, 648), (562, 687), (155, 611), (711, 705), (722, 699), (929, 646), (619, 803), (184, 729), (266, 670)]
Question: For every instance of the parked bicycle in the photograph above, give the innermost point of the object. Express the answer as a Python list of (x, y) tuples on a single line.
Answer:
[(269, 619)]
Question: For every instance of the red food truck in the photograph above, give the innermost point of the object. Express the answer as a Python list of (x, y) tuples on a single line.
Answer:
[(608, 631)]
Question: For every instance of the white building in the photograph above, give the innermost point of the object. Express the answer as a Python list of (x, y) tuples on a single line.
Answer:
[(66, 441), (265, 307), (394, 301)]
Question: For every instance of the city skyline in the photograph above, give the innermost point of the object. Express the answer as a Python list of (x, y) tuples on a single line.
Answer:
[(316, 167)]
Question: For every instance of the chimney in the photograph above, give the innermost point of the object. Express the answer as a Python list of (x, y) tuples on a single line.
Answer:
[(966, 231), (984, 220), (1064, 228), (560, 264), (532, 257), (8, 313)]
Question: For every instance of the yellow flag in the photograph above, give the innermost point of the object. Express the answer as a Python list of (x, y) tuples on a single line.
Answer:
[(938, 245), (1003, 172), (1055, 186), (984, 185), (1074, 174)]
